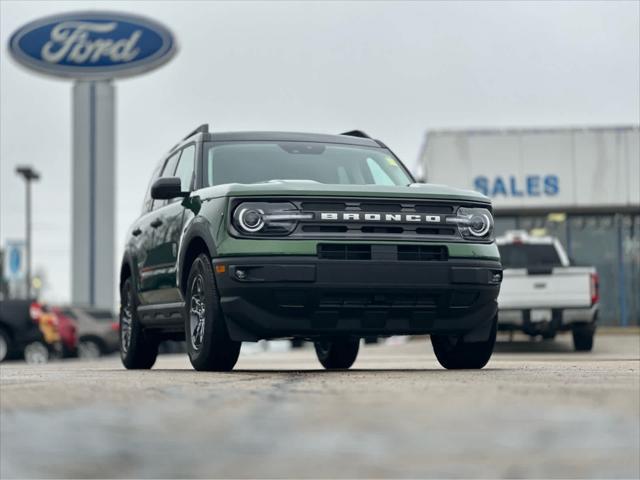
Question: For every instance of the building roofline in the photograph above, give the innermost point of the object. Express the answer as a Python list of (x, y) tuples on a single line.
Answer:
[(511, 130)]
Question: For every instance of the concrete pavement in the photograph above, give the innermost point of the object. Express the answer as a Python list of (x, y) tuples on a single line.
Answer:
[(537, 410)]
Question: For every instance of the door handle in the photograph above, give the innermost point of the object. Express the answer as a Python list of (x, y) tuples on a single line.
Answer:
[(156, 223), (136, 232)]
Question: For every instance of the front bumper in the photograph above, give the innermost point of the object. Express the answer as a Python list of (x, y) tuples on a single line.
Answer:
[(286, 296)]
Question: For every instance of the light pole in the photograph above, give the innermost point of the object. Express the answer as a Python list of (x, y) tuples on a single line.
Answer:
[(29, 175)]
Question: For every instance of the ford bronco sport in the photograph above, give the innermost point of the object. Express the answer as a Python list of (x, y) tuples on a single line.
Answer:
[(327, 238)]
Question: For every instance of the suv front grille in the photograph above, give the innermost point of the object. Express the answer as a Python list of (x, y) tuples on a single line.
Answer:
[(344, 252), (422, 253), (414, 253), (390, 219)]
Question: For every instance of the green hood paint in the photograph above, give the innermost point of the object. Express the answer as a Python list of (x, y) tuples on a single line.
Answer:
[(300, 188)]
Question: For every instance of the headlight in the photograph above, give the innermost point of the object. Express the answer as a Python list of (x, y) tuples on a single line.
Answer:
[(267, 218), (474, 223)]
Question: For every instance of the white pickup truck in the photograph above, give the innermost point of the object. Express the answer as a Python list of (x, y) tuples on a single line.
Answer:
[(542, 294)]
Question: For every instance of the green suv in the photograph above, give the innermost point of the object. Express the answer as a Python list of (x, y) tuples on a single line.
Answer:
[(260, 235)]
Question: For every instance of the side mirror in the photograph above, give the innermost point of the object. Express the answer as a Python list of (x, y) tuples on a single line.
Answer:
[(166, 188)]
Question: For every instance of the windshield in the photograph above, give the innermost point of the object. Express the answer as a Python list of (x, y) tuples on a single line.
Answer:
[(515, 255), (254, 162)]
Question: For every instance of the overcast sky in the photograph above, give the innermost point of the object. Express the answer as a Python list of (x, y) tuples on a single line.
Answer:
[(392, 69)]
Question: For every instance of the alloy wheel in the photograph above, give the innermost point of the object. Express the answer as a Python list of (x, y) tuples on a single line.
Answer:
[(126, 317), (197, 312)]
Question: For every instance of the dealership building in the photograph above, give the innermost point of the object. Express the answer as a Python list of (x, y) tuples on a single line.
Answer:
[(581, 185)]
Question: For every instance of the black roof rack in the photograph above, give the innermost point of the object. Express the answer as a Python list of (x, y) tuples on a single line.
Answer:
[(356, 133), (204, 128)]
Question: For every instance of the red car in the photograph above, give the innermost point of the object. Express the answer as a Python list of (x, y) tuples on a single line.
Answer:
[(68, 333)]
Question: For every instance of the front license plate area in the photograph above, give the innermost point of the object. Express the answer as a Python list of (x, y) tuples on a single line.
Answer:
[(541, 315)]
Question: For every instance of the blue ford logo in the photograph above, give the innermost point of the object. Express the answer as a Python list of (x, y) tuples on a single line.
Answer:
[(93, 45)]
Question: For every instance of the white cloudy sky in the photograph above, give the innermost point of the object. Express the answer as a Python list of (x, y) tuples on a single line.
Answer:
[(391, 69)]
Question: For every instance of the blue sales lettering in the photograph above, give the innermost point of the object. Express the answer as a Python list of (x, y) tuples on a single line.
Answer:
[(512, 186)]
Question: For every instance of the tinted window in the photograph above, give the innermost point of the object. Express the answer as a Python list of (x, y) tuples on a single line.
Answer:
[(253, 162), (516, 255), (100, 314), (69, 313), (170, 167), (185, 167)]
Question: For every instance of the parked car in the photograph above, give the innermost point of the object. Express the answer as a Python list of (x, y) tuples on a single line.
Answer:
[(18, 328), (68, 333), (97, 330), (542, 294), (263, 235), (28, 330)]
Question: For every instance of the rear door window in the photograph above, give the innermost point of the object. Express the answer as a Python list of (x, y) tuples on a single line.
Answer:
[(169, 170), (526, 255), (185, 167)]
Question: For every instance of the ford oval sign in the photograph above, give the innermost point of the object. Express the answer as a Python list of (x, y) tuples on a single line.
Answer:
[(93, 45)]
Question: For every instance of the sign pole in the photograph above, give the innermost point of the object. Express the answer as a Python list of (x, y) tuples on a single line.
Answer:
[(93, 242), (92, 48), (28, 240)]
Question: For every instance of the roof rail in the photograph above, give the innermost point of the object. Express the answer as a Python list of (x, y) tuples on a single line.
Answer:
[(204, 128), (356, 133)]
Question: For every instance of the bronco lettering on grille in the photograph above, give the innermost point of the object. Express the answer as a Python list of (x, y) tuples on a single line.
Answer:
[(379, 217)]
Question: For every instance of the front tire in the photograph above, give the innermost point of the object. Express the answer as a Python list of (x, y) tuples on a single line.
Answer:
[(337, 354), (208, 343), (583, 338), (138, 351), (454, 353)]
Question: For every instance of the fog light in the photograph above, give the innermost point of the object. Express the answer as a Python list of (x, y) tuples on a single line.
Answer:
[(241, 274)]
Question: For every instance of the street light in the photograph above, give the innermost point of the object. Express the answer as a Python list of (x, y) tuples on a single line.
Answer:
[(29, 175)]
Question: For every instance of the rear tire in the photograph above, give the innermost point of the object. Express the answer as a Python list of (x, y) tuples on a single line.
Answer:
[(208, 343), (337, 354), (138, 351), (454, 353), (583, 338)]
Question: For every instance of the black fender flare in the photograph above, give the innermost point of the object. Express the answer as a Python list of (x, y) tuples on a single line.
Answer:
[(127, 261), (197, 228)]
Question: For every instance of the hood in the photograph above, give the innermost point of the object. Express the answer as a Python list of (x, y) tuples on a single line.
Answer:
[(304, 188)]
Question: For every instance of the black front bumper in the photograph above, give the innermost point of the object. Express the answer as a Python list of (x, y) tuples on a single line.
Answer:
[(276, 297)]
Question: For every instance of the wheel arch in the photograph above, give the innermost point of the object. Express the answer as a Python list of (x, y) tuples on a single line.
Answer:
[(126, 270), (197, 240), (5, 328)]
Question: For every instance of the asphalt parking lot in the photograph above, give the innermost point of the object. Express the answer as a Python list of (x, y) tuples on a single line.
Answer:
[(537, 410)]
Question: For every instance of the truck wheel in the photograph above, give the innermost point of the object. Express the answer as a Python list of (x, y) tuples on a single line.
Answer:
[(137, 350), (208, 343), (583, 338), (337, 354), (4, 345), (454, 353)]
